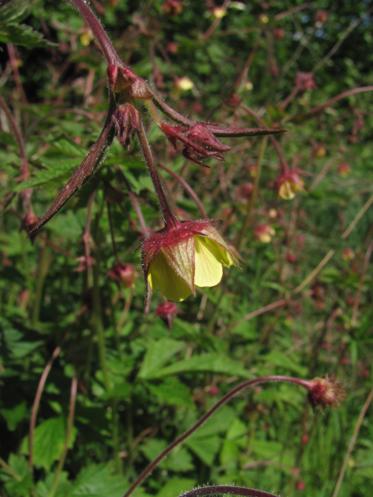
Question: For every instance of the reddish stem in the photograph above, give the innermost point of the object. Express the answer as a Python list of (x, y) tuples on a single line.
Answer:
[(226, 398), (226, 489), (169, 217), (319, 108), (98, 32)]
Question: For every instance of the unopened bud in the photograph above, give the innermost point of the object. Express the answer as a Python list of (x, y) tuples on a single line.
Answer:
[(123, 273), (344, 169), (167, 311)]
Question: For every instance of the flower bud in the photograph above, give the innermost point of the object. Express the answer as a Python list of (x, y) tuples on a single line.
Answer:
[(344, 169), (189, 254), (279, 33), (167, 312), (123, 273), (321, 16), (172, 7), (305, 81), (244, 191), (126, 120), (348, 254)]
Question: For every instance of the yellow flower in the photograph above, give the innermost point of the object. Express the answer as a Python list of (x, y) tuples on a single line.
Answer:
[(264, 233), (191, 254), (184, 84), (219, 12), (289, 184)]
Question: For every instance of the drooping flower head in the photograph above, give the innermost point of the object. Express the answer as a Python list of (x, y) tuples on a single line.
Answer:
[(181, 257), (264, 233), (289, 183)]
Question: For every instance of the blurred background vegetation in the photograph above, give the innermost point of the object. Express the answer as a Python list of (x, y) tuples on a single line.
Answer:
[(67, 318)]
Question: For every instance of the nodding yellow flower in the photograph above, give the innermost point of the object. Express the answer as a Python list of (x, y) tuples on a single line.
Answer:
[(264, 233), (184, 84), (219, 12), (180, 258), (289, 184)]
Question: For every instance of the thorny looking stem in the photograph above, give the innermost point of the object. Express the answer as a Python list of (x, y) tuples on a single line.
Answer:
[(251, 202), (98, 32), (25, 168), (319, 108), (168, 215), (226, 398), (36, 403), (226, 489), (187, 188), (140, 216)]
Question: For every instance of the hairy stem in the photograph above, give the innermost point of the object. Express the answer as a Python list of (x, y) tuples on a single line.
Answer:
[(168, 215), (226, 489), (226, 398), (98, 32), (251, 202), (36, 403)]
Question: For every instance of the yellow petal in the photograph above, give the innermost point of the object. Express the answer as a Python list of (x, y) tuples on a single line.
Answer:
[(162, 277), (219, 251), (208, 270), (217, 245), (286, 191)]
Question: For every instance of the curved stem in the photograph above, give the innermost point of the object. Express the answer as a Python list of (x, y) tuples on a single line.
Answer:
[(36, 403), (319, 108), (98, 31), (187, 188), (226, 398), (226, 489), (168, 215)]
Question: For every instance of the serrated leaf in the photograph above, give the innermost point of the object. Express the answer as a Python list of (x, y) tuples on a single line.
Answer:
[(98, 480), (210, 362), (206, 448), (175, 487), (49, 438), (172, 392), (158, 354)]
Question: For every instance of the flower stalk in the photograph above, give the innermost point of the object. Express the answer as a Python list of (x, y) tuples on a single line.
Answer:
[(319, 390)]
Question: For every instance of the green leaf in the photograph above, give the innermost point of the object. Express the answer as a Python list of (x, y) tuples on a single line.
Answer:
[(176, 486), (206, 448), (158, 354), (210, 362), (172, 392), (98, 480), (49, 438), (14, 415)]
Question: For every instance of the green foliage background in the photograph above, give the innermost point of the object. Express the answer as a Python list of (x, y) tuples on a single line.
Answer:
[(139, 383)]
